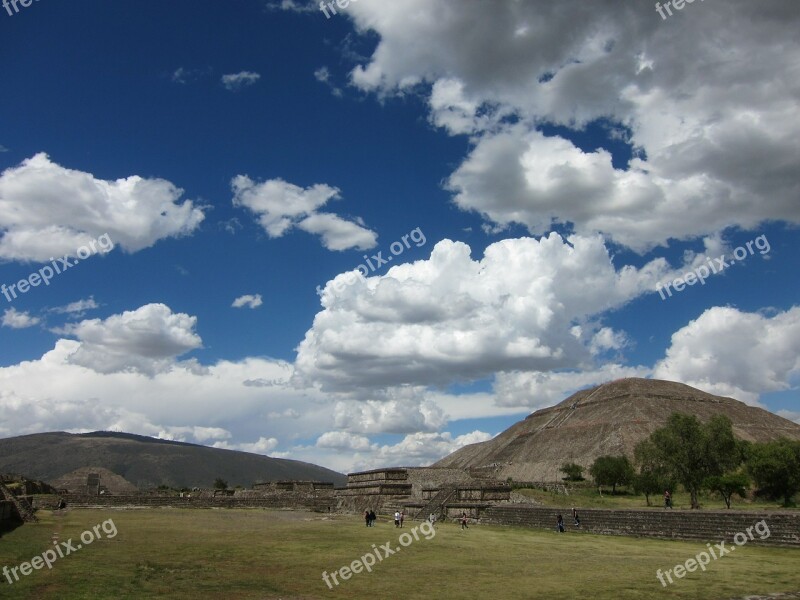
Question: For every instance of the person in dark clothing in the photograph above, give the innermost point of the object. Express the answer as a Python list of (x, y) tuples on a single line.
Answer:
[(372, 518), (464, 521), (560, 524), (366, 517), (667, 500), (576, 518)]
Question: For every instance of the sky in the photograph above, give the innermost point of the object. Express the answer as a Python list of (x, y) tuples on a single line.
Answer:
[(369, 235)]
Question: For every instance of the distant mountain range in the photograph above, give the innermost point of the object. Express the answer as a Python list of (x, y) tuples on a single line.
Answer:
[(608, 419), (148, 462)]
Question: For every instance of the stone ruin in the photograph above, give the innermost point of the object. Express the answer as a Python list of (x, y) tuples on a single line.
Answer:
[(420, 491)]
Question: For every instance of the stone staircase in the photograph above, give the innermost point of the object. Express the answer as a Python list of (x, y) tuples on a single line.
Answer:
[(23, 507), (436, 504)]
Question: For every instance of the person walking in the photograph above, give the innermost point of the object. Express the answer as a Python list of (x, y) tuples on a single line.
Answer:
[(464, 521), (402, 517), (396, 518), (667, 500), (575, 517), (372, 518), (560, 524), (366, 517)]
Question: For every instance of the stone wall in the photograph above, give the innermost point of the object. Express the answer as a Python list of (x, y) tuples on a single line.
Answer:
[(472, 492), (293, 486), (705, 526), (323, 503), (377, 496), (9, 517), (44, 501), (377, 475)]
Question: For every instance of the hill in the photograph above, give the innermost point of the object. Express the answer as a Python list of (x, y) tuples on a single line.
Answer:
[(608, 419), (148, 462)]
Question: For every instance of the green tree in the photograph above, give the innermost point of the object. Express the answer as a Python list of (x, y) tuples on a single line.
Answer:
[(693, 452), (653, 476), (612, 470), (573, 472), (220, 484), (728, 485), (775, 467)]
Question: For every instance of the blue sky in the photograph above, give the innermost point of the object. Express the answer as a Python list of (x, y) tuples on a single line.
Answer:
[(549, 164)]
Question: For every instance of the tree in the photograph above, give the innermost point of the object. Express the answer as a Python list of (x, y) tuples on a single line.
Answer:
[(572, 471), (693, 452), (728, 485), (775, 467), (220, 484), (653, 476), (612, 470)]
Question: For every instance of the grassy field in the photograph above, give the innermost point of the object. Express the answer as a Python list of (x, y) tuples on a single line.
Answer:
[(587, 496), (172, 553)]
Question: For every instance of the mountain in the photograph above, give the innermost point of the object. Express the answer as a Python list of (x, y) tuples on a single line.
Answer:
[(148, 462), (608, 419)]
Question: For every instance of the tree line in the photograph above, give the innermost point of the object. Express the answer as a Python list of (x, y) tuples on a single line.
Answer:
[(700, 456)]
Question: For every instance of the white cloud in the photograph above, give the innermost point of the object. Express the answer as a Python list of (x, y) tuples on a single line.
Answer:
[(248, 300), (451, 317), (19, 320), (337, 233), (711, 119), (393, 415), (180, 75), (237, 81), (535, 390), (348, 452), (280, 206), (419, 449), (298, 6), (340, 440), (733, 353), (323, 75), (182, 402), (47, 210), (145, 340), (264, 446), (791, 415), (198, 434), (78, 307)]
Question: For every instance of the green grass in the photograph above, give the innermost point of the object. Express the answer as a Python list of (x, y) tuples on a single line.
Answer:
[(586, 496), (231, 554)]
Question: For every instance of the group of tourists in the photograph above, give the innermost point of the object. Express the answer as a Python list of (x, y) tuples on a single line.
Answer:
[(370, 517), (560, 521), (399, 517)]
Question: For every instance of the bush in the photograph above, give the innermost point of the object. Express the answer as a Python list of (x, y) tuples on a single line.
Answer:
[(573, 472)]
